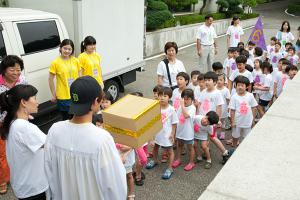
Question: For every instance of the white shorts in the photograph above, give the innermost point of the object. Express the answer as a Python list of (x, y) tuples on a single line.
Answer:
[(238, 132)]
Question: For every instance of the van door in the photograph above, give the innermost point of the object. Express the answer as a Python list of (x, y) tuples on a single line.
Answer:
[(38, 42), (4, 42)]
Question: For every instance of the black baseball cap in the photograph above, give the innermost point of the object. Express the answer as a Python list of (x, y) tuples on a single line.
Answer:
[(83, 91)]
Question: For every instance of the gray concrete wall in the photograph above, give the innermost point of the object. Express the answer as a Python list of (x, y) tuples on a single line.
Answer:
[(184, 35), (266, 165), (210, 7)]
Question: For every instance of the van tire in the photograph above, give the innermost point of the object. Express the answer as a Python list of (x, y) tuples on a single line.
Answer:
[(113, 88)]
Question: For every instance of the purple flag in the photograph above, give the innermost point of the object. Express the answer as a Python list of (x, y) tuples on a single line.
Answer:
[(257, 35)]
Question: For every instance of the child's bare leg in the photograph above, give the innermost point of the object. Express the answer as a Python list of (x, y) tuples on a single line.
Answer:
[(235, 142), (204, 146), (171, 157), (155, 152), (179, 149), (219, 144), (261, 111), (130, 184), (191, 153), (197, 150)]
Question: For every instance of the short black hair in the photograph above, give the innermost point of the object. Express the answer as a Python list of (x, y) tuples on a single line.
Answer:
[(288, 43), (291, 68), (157, 88), (241, 43), (184, 75), (208, 16), (244, 52), (231, 49), (109, 97), (195, 72), (97, 118), (251, 43), (10, 61), (274, 38), (242, 79), (286, 62), (259, 61), (200, 77), (211, 75), (169, 45), (268, 66), (189, 93), (289, 27), (217, 66), (258, 51), (241, 59), (292, 48), (282, 59), (212, 117), (277, 42), (249, 68), (223, 76), (165, 91)]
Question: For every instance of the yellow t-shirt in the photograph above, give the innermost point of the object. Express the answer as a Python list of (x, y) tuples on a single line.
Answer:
[(90, 64), (65, 71)]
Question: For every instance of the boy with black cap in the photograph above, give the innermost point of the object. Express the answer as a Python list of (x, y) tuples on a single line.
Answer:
[(81, 160)]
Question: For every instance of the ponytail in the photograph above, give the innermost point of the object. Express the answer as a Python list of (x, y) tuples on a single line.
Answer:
[(10, 102), (82, 47)]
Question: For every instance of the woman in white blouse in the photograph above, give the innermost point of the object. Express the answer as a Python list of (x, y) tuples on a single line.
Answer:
[(285, 35), (174, 65), (25, 142)]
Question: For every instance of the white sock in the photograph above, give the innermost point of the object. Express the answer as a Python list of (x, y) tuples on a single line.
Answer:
[(225, 153)]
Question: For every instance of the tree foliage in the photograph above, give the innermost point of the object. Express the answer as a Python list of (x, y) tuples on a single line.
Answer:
[(157, 14), (230, 7), (179, 5)]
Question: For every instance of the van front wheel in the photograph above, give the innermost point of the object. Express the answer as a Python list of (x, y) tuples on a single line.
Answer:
[(113, 88)]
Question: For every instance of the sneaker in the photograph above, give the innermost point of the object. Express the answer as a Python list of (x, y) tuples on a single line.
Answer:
[(164, 158), (199, 159), (176, 164), (226, 157), (222, 136), (207, 165), (151, 164), (189, 166), (167, 174)]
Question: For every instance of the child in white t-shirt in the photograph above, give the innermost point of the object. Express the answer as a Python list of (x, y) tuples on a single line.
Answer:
[(182, 80), (226, 63), (185, 129), (234, 32), (241, 64), (194, 80), (292, 56), (226, 97), (250, 48), (266, 90), (271, 47), (166, 136), (203, 127), (280, 77), (257, 75), (231, 64), (276, 55), (242, 107), (258, 53), (211, 100)]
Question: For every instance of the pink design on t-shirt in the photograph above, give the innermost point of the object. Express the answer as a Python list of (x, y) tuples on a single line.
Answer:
[(283, 80), (292, 60), (271, 50), (236, 36), (181, 119), (163, 117), (176, 103), (257, 79), (233, 66), (243, 108), (274, 59), (206, 106), (196, 127)]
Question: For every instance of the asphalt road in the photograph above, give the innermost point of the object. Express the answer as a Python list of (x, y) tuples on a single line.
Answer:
[(190, 185)]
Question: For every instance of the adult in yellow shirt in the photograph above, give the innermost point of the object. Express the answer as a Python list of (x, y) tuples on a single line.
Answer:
[(66, 69), (90, 60)]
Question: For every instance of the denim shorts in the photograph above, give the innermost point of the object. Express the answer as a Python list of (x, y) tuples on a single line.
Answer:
[(186, 141)]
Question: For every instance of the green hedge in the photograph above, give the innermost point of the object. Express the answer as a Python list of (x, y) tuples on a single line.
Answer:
[(156, 5), (294, 9), (155, 19), (193, 19)]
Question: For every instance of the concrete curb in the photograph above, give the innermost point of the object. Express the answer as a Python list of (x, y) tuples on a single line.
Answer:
[(286, 12)]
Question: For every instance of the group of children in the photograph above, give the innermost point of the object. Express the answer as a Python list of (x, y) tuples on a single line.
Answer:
[(196, 113)]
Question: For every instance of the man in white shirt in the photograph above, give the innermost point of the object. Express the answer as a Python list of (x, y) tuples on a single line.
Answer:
[(206, 45), (81, 160)]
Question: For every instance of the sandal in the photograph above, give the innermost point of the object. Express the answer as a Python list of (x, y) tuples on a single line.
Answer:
[(151, 164), (3, 188), (143, 175), (138, 181), (207, 165), (131, 197), (167, 175)]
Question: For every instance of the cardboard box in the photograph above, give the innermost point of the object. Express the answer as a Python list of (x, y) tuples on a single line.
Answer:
[(133, 120)]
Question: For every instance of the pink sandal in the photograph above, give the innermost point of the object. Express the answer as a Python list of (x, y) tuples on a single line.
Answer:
[(189, 166), (176, 164)]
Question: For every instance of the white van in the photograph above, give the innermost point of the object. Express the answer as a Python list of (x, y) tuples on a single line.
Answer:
[(35, 36)]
